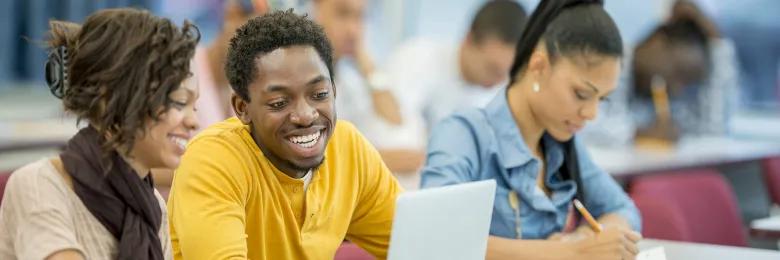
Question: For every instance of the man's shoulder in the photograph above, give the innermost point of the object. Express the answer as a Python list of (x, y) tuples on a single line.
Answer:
[(225, 143), (223, 153), (230, 130)]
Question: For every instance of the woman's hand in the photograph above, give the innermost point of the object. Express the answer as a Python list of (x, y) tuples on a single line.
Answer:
[(582, 232), (612, 243)]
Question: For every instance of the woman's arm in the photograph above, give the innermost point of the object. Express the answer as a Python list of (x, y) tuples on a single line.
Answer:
[(608, 221), (605, 198), (504, 248), (612, 243), (403, 160), (453, 154)]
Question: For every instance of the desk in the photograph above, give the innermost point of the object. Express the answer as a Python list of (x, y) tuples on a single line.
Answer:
[(690, 152), (32, 119), (756, 125), (768, 228), (693, 251), (754, 136), (35, 134), (22, 142), (736, 157)]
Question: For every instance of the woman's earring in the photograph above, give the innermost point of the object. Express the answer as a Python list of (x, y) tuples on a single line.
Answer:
[(536, 87)]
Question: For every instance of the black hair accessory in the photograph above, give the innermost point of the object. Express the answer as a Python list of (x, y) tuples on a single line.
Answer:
[(57, 71)]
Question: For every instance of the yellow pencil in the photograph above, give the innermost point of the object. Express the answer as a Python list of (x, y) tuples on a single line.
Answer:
[(660, 94), (588, 217)]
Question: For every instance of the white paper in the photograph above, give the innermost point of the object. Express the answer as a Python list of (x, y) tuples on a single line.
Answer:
[(655, 253)]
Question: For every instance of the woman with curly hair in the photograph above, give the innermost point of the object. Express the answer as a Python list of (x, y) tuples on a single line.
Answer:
[(126, 73)]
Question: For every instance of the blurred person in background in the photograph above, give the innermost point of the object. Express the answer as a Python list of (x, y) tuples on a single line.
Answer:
[(214, 104), (363, 95), (127, 74), (699, 69), (432, 79)]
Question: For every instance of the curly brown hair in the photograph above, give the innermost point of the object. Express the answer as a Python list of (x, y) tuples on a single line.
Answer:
[(121, 66)]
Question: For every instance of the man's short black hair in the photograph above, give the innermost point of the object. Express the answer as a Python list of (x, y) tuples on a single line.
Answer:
[(264, 34), (499, 18)]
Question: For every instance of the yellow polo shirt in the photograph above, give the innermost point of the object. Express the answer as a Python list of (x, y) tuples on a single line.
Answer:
[(229, 202)]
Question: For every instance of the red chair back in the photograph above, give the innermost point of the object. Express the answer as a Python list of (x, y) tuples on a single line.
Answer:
[(350, 251), (661, 220), (703, 198)]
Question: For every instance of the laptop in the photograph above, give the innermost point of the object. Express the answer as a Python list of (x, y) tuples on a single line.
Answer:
[(450, 222)]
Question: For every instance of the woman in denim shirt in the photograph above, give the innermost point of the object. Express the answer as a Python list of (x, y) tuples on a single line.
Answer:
[(568, 59)]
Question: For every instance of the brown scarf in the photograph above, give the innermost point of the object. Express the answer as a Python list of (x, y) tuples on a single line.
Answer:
[(124, 203)]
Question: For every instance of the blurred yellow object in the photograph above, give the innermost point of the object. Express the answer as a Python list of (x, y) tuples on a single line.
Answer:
[(660, 99), (662, 134), (653, 144), (514, 202)]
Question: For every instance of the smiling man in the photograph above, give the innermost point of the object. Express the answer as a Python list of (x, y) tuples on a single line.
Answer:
[(284, 179)]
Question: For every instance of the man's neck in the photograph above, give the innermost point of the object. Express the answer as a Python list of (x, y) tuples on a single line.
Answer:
[(296, 174)]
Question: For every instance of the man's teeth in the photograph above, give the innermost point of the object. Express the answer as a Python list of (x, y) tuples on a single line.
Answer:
[(306, 141), (181, 142)]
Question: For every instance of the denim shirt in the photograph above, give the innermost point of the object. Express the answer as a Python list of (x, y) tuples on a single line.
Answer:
[(479, 144)]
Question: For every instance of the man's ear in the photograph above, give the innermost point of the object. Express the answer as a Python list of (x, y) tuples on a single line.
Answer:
[(240, 108)]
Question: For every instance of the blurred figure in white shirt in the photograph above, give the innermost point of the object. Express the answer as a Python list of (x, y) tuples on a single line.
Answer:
[(362, 94), (433, 79)]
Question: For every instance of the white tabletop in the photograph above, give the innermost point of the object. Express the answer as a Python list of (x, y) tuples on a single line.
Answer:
[(691, 152), (757, 125), (38, 130), (754, 136), (694, 251), (770, 223), (30, 114)]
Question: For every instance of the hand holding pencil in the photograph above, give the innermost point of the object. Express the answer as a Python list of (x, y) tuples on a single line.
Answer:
[(588, 217), (605, 241)]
